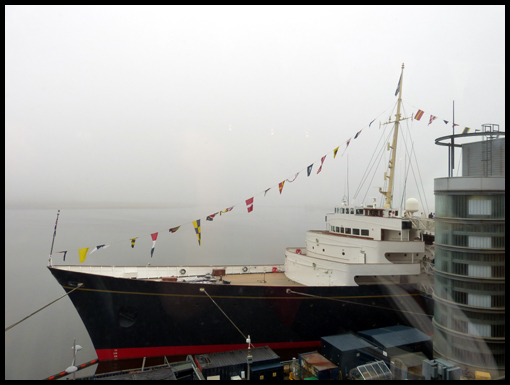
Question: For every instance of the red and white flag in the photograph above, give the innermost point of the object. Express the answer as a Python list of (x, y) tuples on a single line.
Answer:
[(288, 180), (249, 205), (432, 117), (322, 161), (154, 237)]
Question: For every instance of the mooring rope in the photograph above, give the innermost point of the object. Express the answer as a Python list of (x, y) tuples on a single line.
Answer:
[(27, 317), (232, 322), (356, 303)]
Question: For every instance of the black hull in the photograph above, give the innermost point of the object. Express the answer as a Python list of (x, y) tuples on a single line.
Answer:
[(130, 318)]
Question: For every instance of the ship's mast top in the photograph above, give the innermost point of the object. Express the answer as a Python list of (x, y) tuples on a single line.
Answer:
[(389, 192)]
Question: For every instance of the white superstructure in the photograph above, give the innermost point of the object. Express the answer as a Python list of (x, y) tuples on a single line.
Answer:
[(363, 242), (358, 241)]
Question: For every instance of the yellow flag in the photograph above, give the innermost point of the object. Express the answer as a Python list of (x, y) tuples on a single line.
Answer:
[(335, 151), (83, 254), (196, 225)]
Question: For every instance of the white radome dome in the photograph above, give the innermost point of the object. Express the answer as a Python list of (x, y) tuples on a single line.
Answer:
[(412, 205)]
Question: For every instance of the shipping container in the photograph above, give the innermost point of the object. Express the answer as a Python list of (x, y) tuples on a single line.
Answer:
[(225, 365), (314, 365), (395, 339), (270, 371), (345, 351)]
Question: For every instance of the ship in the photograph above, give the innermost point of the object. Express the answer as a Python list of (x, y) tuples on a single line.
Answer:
[(370, 268)]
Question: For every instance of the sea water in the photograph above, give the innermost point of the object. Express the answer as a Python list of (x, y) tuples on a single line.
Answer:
[(41, 345)]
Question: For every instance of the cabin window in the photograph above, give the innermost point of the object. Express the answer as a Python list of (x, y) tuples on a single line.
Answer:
[(355, 231), (347, 230), (343, 211), (359, 211), (352, 211), (407, 225), (342, 229), (364, 232)]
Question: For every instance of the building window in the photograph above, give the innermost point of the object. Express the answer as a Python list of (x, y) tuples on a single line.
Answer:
[(479, 242), (479, 207), (479, 300)]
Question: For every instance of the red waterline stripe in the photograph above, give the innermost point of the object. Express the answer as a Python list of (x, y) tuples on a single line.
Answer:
[(120, 354)]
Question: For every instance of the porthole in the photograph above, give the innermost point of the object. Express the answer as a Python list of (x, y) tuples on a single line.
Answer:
[(245, 269), (182, 271)]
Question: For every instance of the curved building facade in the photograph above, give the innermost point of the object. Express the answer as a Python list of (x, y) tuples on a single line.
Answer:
[(469, 291)]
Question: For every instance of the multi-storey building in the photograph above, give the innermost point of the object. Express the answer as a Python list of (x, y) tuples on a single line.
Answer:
[(469, 292)]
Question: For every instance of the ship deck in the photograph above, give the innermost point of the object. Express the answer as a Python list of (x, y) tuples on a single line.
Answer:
[(236, 275), (258, 279)]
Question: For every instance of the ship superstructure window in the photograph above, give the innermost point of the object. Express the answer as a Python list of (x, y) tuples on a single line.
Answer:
[(343, 211), (347, 230), (359, 211), (355, 231), (342, 229), (352, 211), (365, 232)]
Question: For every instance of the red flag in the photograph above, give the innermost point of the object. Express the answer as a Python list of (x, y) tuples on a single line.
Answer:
[(419, 114), (322, 161), (249, 205), (281, 186), (347, 145), (432, 117)]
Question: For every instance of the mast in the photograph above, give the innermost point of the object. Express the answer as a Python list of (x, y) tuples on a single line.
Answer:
[(389, 192)]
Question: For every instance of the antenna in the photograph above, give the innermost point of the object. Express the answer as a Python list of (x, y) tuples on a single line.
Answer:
[(348, 200), (52, 242)]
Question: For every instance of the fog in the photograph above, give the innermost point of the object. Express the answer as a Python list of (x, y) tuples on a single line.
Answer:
[(167, 106)]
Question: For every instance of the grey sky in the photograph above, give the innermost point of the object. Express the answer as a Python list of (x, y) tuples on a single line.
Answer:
[(166, 106)]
